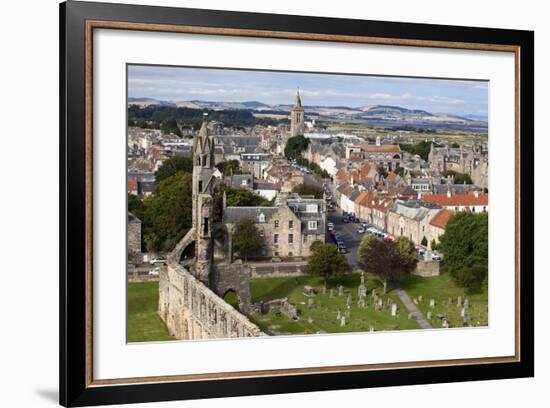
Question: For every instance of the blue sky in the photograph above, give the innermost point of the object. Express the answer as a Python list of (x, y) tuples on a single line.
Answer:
[(458, 97)]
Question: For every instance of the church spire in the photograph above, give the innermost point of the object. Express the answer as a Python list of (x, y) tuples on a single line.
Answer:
[(298, 101)]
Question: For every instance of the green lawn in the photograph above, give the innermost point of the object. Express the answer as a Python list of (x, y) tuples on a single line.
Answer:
[(441, 288), (323, 318), (144, 324)]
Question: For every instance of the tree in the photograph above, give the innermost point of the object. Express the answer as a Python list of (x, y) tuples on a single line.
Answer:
[(399, 171), (171, 166), (405, 256), (421, 148), (229, 167), (237, 197), (305, 190), (465, 248), (459, 178), (433, 245), (167, 215), (295, 146), (326, 261), (246, 238), (424, 241), (391, 261), (135, 206)]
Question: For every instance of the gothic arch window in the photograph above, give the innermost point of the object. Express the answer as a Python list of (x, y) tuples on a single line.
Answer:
[(261, 218)]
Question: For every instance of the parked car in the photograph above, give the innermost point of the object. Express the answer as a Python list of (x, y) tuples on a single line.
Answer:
[(157, 260), (361, 230), (388, 238), (154, 272), (436, 256)]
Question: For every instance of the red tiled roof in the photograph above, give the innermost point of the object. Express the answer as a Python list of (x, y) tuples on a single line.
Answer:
[(442, 218), (360, 197), (392, 176), (458, 200)]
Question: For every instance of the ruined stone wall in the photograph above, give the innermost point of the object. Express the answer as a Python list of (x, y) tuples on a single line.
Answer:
[(426, 268), (192, 311)]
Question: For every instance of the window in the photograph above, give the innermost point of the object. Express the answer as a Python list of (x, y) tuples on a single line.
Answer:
[(290, 224), (312, 225), (290, 238), (305, 238), (261, 218), (200, 186), (276, 224), (311, 208), (275, 238)]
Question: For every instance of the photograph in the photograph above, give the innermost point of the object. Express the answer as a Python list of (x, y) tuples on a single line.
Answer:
[(290, 203)]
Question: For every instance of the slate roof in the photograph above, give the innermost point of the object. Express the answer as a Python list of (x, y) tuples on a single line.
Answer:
[(232, 215)]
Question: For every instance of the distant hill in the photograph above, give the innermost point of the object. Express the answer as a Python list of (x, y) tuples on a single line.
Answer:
[(382, 114)]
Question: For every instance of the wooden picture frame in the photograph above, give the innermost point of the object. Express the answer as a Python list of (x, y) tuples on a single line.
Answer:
[(78, 20)]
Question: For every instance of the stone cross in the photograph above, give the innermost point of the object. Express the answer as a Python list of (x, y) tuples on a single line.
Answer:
[(393, 309)]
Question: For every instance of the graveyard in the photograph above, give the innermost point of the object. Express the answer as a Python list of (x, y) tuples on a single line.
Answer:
[(338, 309), (321, 310), (449, 301)]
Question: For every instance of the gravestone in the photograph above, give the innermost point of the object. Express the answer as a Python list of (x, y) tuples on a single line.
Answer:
[(309, 291), (342, 321), (432, 303), (340, 290), (349, 300), (331, 293), (429, 315), (310, 303), (338, 316), (393, 309), (466, 303), (459, 301), (420, 298)]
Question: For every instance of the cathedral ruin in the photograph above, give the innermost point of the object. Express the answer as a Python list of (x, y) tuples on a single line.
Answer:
[(191, 290)]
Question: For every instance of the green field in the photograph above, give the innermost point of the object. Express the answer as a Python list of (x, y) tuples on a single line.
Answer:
[(323, 317), (441, 288), (144, 324)]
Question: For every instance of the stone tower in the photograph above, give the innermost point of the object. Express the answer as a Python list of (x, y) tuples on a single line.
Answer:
[(203, 166), (297, 117)]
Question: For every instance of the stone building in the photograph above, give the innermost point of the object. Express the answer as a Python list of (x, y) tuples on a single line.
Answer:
[(471, 160), (288, 228), (411, 219), (203, 185), (387, 156), (134, 238), (297, 117)]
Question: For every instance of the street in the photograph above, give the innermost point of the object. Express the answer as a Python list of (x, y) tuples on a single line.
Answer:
[(347, 232)]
